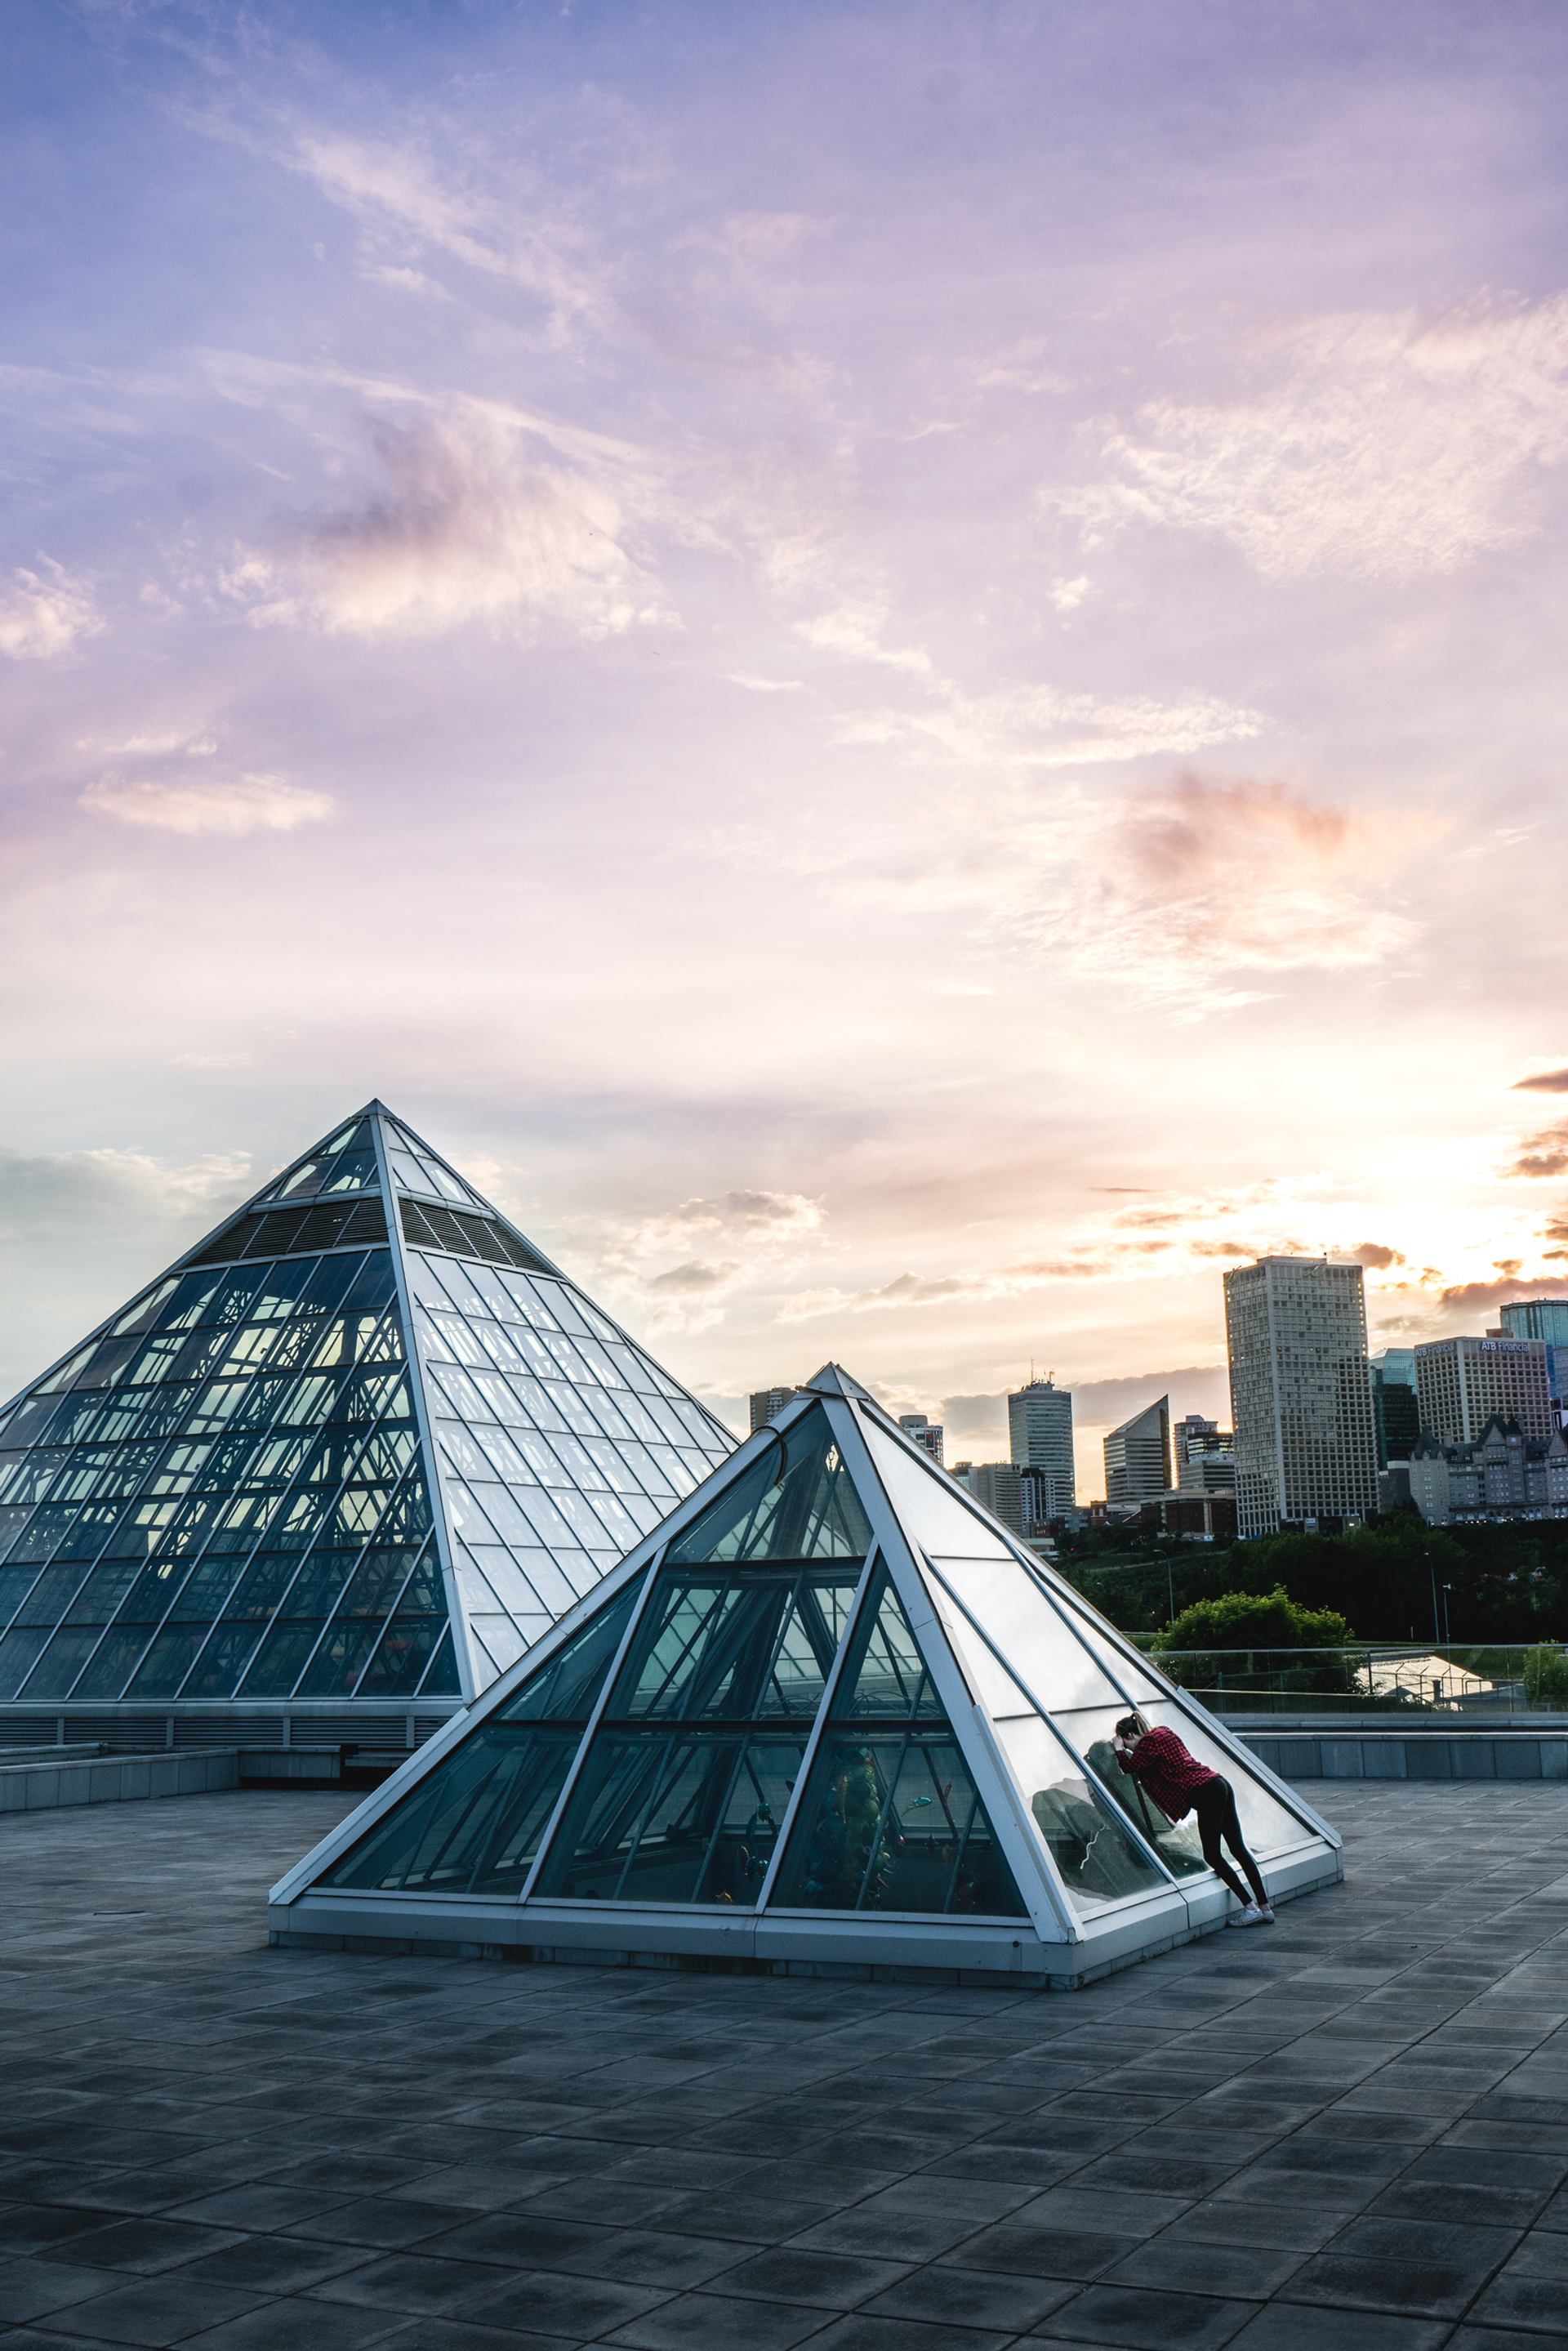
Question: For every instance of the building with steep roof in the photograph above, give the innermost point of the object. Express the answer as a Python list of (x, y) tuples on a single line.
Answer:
[(330, 1473)]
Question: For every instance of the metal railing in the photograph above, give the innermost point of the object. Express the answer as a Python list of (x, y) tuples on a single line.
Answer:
[(1472, 1679)]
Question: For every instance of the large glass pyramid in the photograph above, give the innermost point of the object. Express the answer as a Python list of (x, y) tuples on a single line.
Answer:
[(830, 1713), (364, 1442)]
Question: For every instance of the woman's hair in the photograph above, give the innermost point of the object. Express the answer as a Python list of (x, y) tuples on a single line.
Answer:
[(1132, 1726)]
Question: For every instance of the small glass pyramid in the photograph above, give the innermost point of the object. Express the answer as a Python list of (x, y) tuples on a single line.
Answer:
[(364, 1442), (830, 1713)]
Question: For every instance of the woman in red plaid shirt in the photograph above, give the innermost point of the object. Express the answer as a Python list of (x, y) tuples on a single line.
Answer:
[(1180, 1784)]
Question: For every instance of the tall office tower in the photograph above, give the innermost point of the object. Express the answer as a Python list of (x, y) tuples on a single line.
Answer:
[(1039, 1434), (1396, 1408), (1205, 1456), (1461, 1384), (1546, 1318), (929, 1433), (767, 1404), (1137, 1457), (996, 1488), (1301, 1395)]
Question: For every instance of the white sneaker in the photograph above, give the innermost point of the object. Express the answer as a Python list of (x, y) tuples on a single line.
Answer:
[(1266, 1912), (1251, 1917)]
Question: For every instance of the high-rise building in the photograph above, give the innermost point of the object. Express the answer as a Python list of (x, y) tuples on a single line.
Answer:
[(1301, 1395), (1208, 1473), (330, 1473), (929, 1433), (1137, 1457), (1205, 1456), (1396, 1408), (1463, 1384), (1039, 1434), (995, 1487), (766, 1404), (1546, 1318)]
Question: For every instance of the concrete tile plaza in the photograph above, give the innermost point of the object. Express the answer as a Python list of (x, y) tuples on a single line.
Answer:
[(1350, 2130)]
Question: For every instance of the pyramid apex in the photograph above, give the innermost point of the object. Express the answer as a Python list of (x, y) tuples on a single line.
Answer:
[(834, 1380)]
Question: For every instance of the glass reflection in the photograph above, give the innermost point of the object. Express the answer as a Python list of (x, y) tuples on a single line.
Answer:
[(895, 1822)]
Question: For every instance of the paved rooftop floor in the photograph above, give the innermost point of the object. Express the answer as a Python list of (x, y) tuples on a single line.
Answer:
[(1350, 2130)]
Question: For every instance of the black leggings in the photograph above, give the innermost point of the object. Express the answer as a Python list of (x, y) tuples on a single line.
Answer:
[(1215, 1805)]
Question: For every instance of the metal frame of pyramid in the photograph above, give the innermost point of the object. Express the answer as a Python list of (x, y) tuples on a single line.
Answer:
[(361, 1410), (865, 1730)]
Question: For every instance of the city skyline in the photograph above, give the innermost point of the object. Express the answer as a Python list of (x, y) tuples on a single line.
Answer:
[(895, 668)]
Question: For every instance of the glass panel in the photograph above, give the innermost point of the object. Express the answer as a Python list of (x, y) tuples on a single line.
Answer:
[(795, 1502), (565, 1688), (1266, 1824), (340, 1658), (892, 1821), (886, 1675), (111, 1664), (1123, 1671), (740, 1648), (19, 1655), (61, 1662), (678, 1817), (440, 1676), (1098, 1862), (472, 1825), (504, 1639), (403, 1654), (1060, 1668), (928, 1503)]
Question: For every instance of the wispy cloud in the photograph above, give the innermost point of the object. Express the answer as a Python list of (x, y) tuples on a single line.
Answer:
[(46, 613), (939, 1290), (528, 243), (50, 1195), (1545, 1081), (230, 807), (472, 522), (1384, 444), (1545, 1154), (1192, 893), (1480, 1297), (685, 1260), (1026, 726)]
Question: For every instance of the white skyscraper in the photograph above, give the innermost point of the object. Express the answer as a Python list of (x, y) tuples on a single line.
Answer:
[(1460, 1385), (1040, 1433), (1301, 1395), (1137, 1457)]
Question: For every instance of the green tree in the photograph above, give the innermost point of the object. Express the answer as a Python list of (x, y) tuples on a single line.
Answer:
[(1256, 1632), (1546, 1676)]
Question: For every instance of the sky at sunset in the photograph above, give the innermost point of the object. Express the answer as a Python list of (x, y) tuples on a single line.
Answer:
[(899, 668)]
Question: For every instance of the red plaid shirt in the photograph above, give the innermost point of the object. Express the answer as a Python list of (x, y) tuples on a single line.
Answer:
[(1171, 1775)]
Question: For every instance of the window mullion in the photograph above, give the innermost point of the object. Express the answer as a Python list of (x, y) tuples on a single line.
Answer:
[(818, 1729)]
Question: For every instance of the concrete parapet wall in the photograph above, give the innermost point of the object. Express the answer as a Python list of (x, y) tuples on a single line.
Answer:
[(44, 1785), (48, 1781), (1479, 1754)]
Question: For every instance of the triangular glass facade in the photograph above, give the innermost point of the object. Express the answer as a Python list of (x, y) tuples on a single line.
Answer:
[(791, 1714), (363, 1443)]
